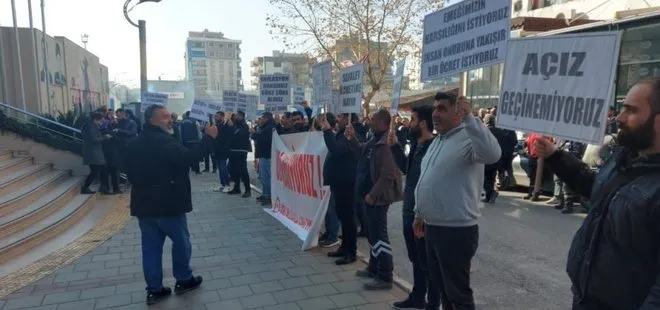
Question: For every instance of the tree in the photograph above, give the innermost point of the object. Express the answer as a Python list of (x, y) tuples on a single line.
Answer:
[(379, 31)]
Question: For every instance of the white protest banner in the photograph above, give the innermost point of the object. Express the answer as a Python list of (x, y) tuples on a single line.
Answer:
[(396, 87), (322, 82), (351, 89), (230, 100), (275, 92), (300, 200), (241, 104), (199, 111), (149, 99), (298, 95), (560, 85), (212, 107), (465, 36)]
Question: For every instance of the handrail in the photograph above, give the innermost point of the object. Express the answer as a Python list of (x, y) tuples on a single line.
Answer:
[(41, 118)]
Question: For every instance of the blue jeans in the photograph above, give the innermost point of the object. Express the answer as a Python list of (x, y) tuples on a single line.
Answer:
[(332, 221), (154, 230), (264, 176), (223, 171)]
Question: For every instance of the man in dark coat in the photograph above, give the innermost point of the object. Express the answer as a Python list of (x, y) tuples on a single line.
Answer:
[(613, 260), (161, 197), (263, 139), (339, 173), (111, 154), (221, 151), (239, 146), (190, 138), (93, 152)]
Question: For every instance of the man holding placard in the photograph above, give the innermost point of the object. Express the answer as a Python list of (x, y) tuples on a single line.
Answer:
[(613, 260), (447, 197)]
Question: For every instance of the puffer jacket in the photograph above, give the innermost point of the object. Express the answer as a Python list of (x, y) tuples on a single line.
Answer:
[(614, 259)]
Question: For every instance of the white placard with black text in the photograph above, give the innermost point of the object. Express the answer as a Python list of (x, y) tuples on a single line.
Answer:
[(560, 85), (322, 81), (468, 35), (275, 92), (352, 81), (396, 87)]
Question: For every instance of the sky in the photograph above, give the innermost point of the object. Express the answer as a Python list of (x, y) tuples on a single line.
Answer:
[(115, 41)]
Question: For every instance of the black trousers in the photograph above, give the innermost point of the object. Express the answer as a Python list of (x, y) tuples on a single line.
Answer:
[(96, 171), (238, 170), (531, 174), (208, 160), (449, 253), (360, 212), (490, 174), (112, 173), (344, 202), (194, 165), (380, 258), (505, 170), (417, 255)]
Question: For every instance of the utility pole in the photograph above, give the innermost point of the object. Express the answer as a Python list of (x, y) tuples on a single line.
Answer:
[(44, 51), (35, 58), (18, 55)]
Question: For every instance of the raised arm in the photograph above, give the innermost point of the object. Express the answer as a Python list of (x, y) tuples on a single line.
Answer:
[(483, 147)]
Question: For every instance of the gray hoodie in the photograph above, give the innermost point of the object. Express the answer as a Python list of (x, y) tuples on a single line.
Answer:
[(452, 174)]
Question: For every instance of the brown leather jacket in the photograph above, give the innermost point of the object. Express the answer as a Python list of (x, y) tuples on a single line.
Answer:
[(385, 173)]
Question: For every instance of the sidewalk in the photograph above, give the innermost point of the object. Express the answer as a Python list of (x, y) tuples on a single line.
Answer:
[(247, 258)]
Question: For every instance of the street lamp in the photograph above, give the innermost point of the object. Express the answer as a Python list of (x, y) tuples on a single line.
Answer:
[(84, 38), (141, 25)]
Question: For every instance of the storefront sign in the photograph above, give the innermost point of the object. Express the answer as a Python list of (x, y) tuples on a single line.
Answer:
[(560, 85), (465, 36)]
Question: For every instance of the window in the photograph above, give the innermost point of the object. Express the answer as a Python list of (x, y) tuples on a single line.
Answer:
[(539, 4), (211, 54), (483, 86), (211, 44), (197, 44), (277, 64), (639, 57)]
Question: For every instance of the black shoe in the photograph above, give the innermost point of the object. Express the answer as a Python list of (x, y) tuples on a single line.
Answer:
[(378, 284), (493, 197), (567, 210), (323, 236), (187, 286), (347, 259), (87, 191), (329, 244), (266, 202), (261, 198), (364, 273), (409, 304), (559, 206), (154, 297), (234, 192), (337, 253), (247, 194), (362, 234)]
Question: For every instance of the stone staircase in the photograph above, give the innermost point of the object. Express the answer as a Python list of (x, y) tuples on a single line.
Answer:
[(37, 203)]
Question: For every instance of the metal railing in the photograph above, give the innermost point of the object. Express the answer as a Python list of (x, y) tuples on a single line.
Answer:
[(41, 122)]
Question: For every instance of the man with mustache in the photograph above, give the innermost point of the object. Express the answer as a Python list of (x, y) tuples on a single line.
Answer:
[(158, 169), (613, 262)]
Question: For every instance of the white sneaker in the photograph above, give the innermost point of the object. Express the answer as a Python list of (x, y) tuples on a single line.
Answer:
[(218, 189), (553, 201), (227, 189)]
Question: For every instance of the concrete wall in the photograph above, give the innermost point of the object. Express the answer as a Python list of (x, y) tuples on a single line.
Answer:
[(75, 76), (61, 160)]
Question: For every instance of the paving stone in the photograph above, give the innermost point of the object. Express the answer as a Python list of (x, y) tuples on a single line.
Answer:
[(300, 271), (256, 301), (61, 297), (347, 299), (105, 257), (295, 282), (320, 290), (103, 273), (266, 287), (23, 302), (225, 273), (323, 278), (225, 305), (274, 275), (235, 292), (97, 292), (290, 295), (68, 277), (77, 305), (245, 279), (319, 303), (88, 266), (113, 301)]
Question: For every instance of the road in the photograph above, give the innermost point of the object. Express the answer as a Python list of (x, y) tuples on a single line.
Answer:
[(520, 263)]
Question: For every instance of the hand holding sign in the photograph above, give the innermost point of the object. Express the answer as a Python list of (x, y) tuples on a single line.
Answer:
[(463, 107), (323, 122), (544, 147), (211, 131), (392, 139)]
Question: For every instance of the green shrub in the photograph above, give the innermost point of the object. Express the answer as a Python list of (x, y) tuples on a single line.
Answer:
[(39, 135)]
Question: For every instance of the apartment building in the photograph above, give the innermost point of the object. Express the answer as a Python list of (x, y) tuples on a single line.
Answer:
[(298, 65), (213, 62)]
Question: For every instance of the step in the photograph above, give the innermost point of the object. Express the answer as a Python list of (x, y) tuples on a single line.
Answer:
[(61, 193), (22, 177), (17, 163), (45, 229), (6, 155), (30, 193)]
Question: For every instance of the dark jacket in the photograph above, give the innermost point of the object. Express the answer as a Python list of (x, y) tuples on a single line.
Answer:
[(614, 259), (111, 146), (503, 141), (509, 143), (92, 144), (411, 166), (189, 131), (263, 140), (402, 133), (239, 140), (158, 171), (221, 143), (384, 171), (284, 131), (341, 162)]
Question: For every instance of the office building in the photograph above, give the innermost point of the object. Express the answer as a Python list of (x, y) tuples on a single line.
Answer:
[(213, 62), (299, 66)]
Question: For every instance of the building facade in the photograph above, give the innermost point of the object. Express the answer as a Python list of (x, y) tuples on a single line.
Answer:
[(76, 78), (213, 62), (299, 66)]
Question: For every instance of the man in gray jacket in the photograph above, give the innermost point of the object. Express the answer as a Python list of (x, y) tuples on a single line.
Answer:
[(447, 196)]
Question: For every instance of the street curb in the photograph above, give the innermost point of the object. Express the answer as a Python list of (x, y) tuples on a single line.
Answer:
[(398, 281)]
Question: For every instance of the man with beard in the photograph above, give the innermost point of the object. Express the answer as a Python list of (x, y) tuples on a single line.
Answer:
[(421, 136), (613, 259), (339, 174), (263, 138), (379, 182), (285, 126), (299, 123), (447, 197), (161, 197), (239, 146)]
